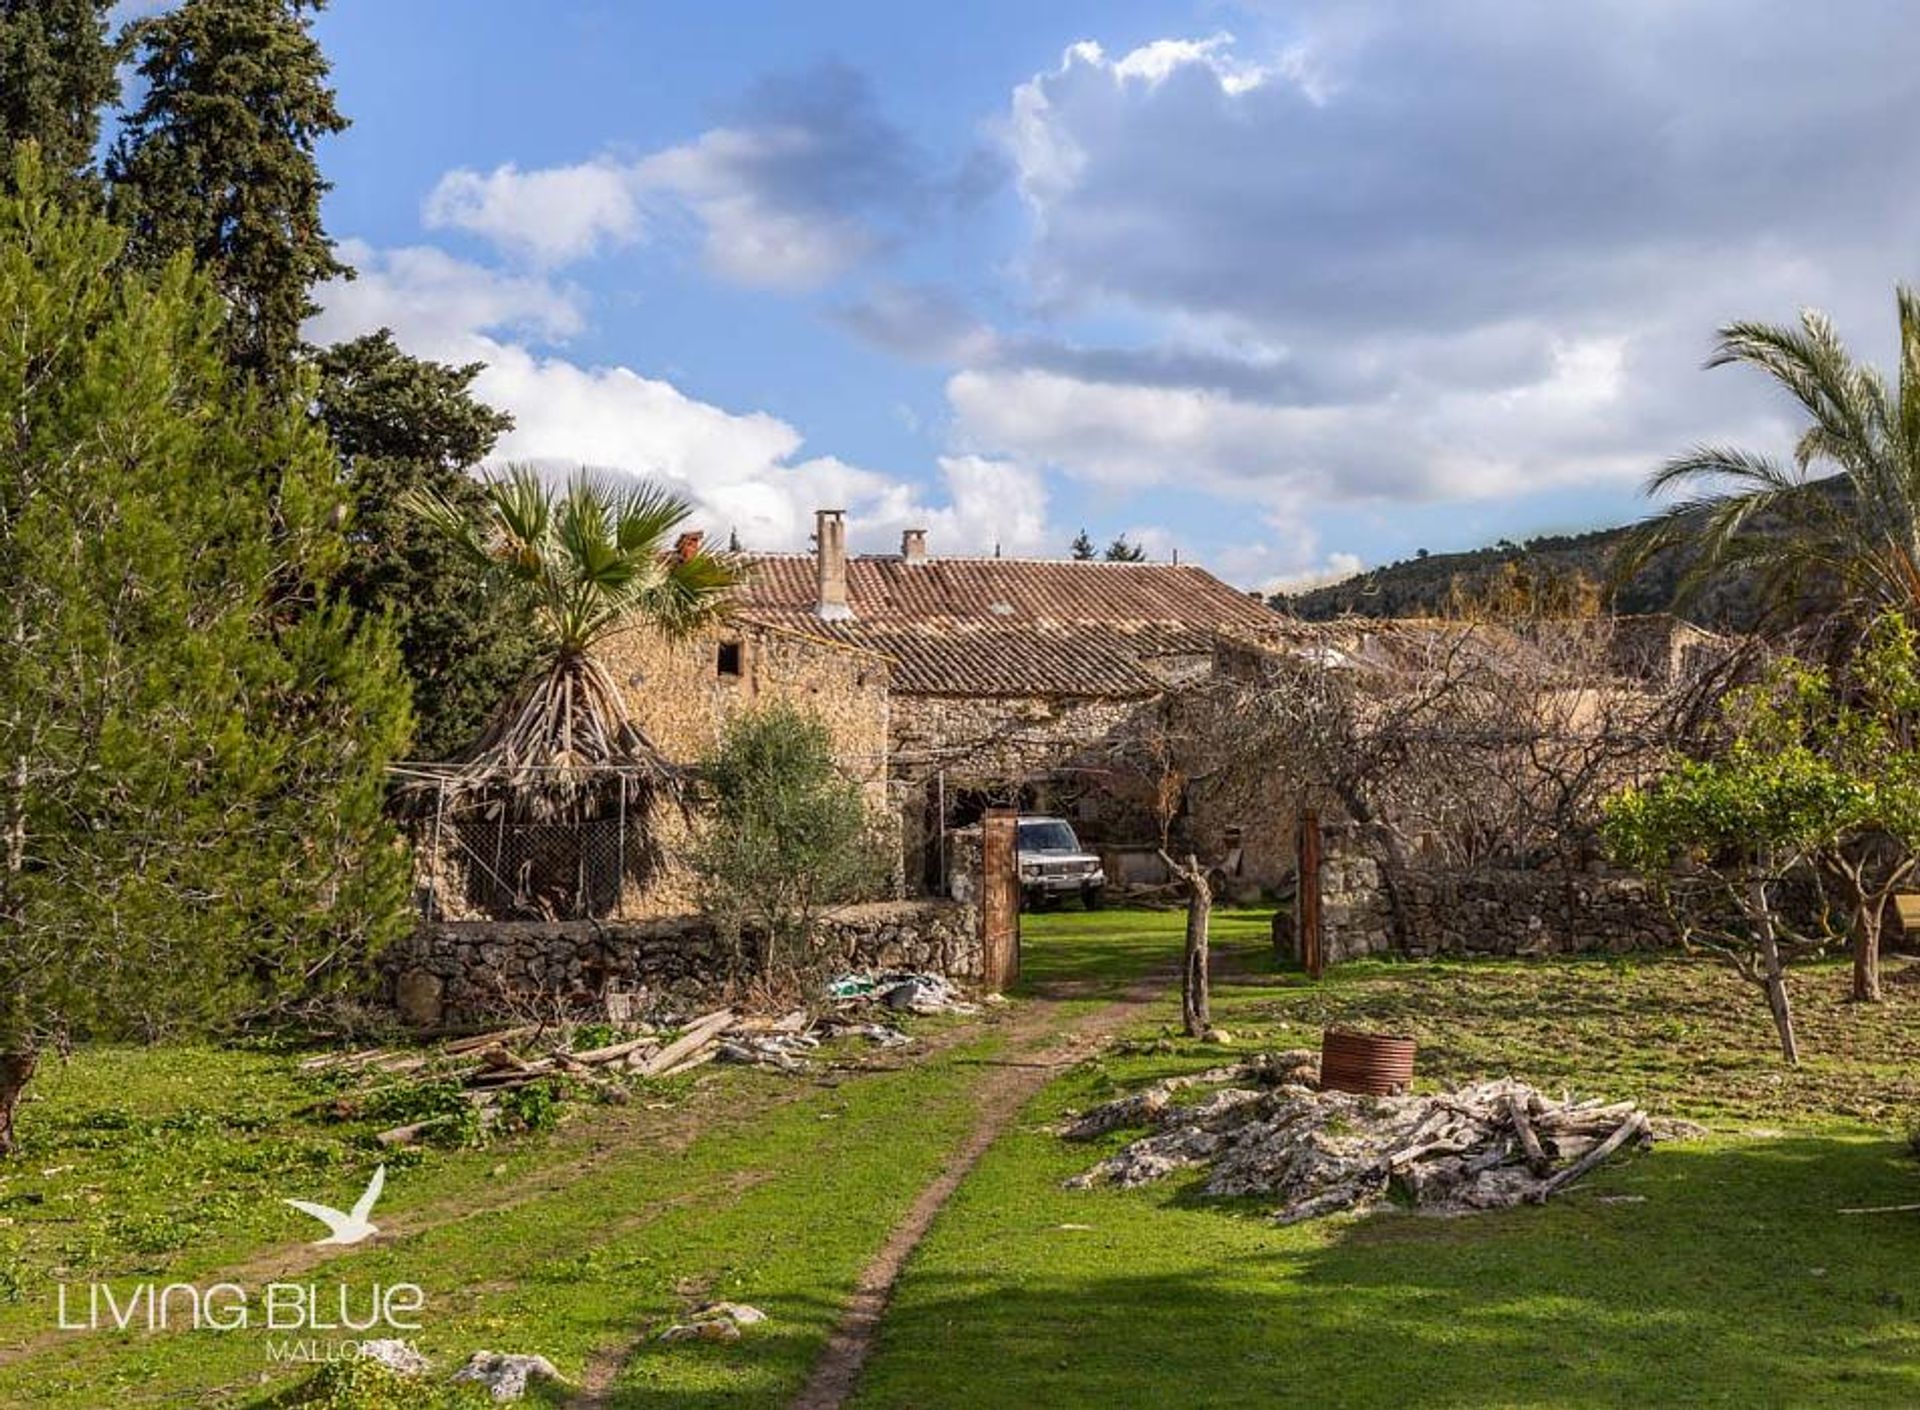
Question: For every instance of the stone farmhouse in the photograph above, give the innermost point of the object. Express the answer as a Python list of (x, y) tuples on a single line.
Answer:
[(947, 683)]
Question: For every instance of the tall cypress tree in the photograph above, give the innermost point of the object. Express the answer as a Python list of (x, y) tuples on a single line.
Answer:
[(218, 161), (56, 76), (405, 425)]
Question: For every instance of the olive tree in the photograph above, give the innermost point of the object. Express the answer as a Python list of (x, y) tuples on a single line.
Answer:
[(783, 833)]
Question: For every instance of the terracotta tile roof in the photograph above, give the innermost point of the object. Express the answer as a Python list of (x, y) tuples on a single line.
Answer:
[(1002, 626)]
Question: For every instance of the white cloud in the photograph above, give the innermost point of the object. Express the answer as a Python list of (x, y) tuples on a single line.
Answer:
[(439, 300), (807, 183), (920, 321), (991, 502), (550, 216), (751, 236), (1155, 62), (1448, 253), (1337, 568), (1551, 424), (743, 471)]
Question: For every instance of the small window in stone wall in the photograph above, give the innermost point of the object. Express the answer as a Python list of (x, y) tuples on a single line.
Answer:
[(729, 659)]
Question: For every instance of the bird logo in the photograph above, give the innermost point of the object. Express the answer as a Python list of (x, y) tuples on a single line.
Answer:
[(351, 1227)]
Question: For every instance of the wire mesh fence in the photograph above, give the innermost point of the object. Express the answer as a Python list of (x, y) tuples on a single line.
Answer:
[(476, 857)]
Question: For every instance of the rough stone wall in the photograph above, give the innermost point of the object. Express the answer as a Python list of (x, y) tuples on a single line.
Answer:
[(1492, 912), (480, 971), (995, 739), (678, 693)]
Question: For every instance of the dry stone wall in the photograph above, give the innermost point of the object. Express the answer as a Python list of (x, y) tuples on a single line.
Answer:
[(1488, 912), (475, 971)]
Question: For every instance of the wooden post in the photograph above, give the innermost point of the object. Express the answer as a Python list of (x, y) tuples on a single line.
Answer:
[(999, 897), (1307, 895)]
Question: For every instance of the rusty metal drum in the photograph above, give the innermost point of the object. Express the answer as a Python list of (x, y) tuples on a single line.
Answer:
[(1374, 1064)]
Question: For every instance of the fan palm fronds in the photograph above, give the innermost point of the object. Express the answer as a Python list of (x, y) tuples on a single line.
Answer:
[(596, 558), (1855, 543)]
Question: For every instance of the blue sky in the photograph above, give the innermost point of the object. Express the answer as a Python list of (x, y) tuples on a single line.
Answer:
[(1290, 287)]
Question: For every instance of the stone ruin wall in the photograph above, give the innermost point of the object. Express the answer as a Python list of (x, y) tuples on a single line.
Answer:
[(486, 971), (681, 699), (1454, 912)]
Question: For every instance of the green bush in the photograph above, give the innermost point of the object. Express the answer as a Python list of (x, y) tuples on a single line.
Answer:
[(785, 833)]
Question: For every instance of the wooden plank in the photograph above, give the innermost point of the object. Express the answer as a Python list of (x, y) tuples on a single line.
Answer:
[(1633, 1126), (593, 1056), (699, 1033)]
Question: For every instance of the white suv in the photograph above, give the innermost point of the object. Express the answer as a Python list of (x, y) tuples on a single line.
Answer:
[(1053, 864)]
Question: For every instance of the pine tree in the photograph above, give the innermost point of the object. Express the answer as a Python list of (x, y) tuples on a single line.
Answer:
[(56, 75), (218, 161), (1120, 551), (403, 426), (1082, 547), (194, 736)]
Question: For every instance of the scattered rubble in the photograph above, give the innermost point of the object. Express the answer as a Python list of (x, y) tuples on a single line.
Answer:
[(717, 1321), (487, 1065), (505, 1376), (902, 992), (1490, 1145)]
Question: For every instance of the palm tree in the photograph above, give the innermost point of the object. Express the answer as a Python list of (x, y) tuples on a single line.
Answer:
[(595, 558), (1852, 542)]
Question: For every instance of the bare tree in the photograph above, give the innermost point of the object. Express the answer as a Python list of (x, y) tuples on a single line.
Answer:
[(1196, 992), (1462, 743)]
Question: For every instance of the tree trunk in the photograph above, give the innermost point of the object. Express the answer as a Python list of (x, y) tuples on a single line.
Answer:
[(1772, 979), (1866, 951), (1196, 1009), (16, 1070)]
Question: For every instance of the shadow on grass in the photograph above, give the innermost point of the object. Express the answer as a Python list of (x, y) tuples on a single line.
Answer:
[(1074, 952), (1733, 1282)]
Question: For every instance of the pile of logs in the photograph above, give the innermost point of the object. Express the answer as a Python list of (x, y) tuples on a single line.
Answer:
[(1269, 1131)]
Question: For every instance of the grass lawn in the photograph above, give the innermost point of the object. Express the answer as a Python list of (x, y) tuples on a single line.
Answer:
[(1714, 1272), (169, 1164), (751, 1187), (1732, 1281)]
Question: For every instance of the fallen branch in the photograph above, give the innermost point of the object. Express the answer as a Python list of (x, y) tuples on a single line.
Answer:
[(1633, 1126), (1269, 1132), (1537, 1160)]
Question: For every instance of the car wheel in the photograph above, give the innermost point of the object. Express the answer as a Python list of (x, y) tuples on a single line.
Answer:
[(1093, 897)]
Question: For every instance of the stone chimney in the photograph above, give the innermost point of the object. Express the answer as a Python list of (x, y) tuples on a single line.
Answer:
[(687, 545), (830, 554), (913, 545)]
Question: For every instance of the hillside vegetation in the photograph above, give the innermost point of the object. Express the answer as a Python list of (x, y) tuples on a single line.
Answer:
[(1432, 584)]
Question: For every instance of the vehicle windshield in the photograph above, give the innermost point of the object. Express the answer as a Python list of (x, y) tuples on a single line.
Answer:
[(1047, 837)]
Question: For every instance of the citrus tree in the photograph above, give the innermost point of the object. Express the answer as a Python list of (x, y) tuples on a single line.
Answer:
[(1817, 784)]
